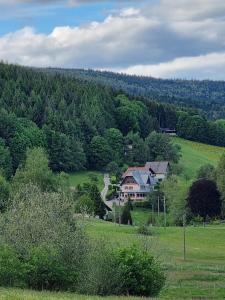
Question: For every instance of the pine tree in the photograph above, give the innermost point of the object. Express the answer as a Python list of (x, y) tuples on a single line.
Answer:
[(99, 206)]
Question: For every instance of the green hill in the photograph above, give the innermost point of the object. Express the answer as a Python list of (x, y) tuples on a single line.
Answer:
[(194, 155)]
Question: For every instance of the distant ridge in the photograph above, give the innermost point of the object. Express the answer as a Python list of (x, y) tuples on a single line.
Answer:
[(206, 95)]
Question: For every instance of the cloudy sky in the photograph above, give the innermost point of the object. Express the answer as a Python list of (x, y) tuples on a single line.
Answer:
[(160, 38)]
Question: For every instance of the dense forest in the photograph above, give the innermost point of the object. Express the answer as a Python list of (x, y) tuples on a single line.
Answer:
[(207, 96), (86, 124)]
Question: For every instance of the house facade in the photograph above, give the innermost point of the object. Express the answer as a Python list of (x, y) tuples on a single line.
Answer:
[(138, 182), (159, 168), (136, 185)]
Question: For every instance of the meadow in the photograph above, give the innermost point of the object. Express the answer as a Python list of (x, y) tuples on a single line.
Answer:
[(200, 276), (85, 176), (195, 155)]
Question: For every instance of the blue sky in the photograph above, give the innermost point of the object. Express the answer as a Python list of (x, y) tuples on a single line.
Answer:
[(160, 38), (45, 17)]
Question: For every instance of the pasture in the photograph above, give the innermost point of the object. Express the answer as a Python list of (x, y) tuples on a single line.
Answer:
[(201, 276), (195, 155)]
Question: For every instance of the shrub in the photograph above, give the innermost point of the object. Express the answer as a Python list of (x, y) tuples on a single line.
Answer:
[(126, 218), (46, 270), (45, 219), (144, 230), (141, 275), (100, 274), (11, 269), (85, 205), (110, 194)]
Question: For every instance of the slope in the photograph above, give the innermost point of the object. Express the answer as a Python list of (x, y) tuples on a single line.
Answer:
[(194, 155)]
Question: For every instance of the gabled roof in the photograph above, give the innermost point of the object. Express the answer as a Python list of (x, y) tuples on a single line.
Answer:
[(132, 169), (159, 167), (141, 177)]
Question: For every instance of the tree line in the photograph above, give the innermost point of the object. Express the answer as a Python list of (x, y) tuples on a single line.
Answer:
[(207, 96)]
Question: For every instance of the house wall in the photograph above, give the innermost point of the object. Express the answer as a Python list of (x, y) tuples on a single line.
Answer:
[(130, 187), (160, 177), (133, 196)]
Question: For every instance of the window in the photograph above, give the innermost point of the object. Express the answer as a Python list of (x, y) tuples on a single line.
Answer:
[(130, 188)]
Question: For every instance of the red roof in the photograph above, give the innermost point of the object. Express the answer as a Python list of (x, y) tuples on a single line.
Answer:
[(130, 169)]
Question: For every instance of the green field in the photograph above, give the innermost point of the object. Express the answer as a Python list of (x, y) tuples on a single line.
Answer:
[(194, 155), (201, 276), (84, 177)]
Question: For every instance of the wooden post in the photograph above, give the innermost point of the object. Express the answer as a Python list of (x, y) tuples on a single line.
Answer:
[(184, 235), (152, 213), (119, 213), (164, 209), (158, 207)]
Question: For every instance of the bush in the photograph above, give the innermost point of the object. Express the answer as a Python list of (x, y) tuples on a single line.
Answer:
[(141, 275), (144, 230), (11, 269), (46, 270), (41, 229), (110, 194), (100, 274), (126, 217), (84, 205)]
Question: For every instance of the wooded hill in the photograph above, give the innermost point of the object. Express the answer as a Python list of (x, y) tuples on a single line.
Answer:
[(85, 124), (207, 96)]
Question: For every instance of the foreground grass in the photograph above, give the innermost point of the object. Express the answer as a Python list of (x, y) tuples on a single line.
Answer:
[(201, 276), (84, 177), (17, 294), (195, 155)]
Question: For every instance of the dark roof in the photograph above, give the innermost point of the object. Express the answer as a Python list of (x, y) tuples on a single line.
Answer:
[(158, 167)]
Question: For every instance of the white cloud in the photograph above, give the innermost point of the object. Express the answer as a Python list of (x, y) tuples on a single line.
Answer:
[(97, 44), (170, 38), (203, 67)]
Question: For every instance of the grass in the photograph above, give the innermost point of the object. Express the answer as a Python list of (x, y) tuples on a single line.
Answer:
[(84, 177), (195, 155), (201, 276), (17, 294)]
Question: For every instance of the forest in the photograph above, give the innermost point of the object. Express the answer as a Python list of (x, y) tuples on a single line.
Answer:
[(84, 124), (206, 96)]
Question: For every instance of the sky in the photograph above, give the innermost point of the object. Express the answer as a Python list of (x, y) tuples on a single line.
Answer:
[(160, 38)]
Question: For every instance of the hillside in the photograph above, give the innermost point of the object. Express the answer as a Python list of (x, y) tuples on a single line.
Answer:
[(83, 124), (194, 155), (207, 96)]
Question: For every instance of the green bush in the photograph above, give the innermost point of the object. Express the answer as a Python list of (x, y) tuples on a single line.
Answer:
[(11, 269), (141, 275), (46, 270), (46, 238), (100, 274), (109, 194)]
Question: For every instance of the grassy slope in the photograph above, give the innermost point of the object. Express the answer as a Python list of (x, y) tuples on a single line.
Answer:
[(201, 275), (84, 176), (194, 155)]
